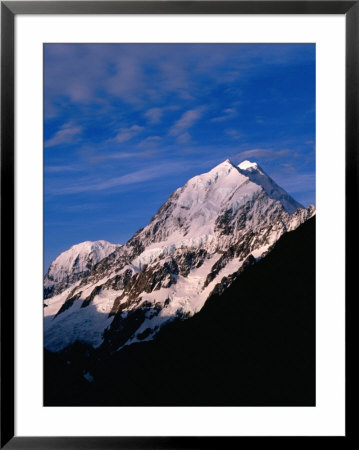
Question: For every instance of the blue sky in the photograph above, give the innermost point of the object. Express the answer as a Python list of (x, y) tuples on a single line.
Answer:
[(125, 125)]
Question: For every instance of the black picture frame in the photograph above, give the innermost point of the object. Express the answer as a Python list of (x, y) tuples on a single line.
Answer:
[(9, 9)]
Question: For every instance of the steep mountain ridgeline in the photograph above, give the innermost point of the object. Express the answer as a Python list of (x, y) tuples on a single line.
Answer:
[(201, 239)]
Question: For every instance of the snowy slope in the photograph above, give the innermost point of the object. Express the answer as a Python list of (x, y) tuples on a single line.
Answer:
[(75, 263), (200, 240), (257, 175)]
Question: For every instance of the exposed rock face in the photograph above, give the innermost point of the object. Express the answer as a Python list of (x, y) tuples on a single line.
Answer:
[(197, 244)]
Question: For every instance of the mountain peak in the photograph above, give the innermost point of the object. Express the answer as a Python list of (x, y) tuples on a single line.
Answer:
[(226, 164), (220, 171), (245, 165)]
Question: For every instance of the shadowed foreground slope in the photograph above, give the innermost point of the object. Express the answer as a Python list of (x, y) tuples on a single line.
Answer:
[(252, 346)]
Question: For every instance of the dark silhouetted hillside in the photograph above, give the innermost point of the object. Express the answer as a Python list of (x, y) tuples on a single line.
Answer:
[(252, 346)]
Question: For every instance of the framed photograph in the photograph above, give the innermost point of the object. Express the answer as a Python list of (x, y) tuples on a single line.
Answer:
[(175, 187)]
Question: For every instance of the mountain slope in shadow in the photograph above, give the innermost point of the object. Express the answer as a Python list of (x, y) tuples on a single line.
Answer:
[(254, 345)]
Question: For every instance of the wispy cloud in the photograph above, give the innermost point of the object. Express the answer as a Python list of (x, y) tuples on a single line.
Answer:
[(154, 115), (62, 168), (125, 134), (127, 82), (150, 142), (184, 138), (228, 113), (67, 133), (176, 78), (135, 177), (186, 121), (288, 168), (296, 184), (264, 153), (234, 134), (95, 155)]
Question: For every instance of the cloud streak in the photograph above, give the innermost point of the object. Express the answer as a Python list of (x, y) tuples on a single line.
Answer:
[(228, 113), (63, 168), (126, 134), (264, 153), (135, 177), (297, 183), (186, 121), (154, 115), (67, 134)]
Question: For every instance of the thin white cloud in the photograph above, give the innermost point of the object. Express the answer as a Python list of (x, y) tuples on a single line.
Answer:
[(67, 134), (186, 121), (228, 113), (265, 153), (135, 177), (62, 168), (184, 138), (234, 134), (127, 83), (90, 155), (296, 184), (125, 134), (154, 115), (150, 142)]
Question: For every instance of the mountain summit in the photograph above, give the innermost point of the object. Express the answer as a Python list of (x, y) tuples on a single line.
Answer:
[(196, 245)]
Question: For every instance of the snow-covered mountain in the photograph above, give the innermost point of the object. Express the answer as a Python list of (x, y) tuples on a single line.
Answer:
[(200, 240), (74, 264)]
